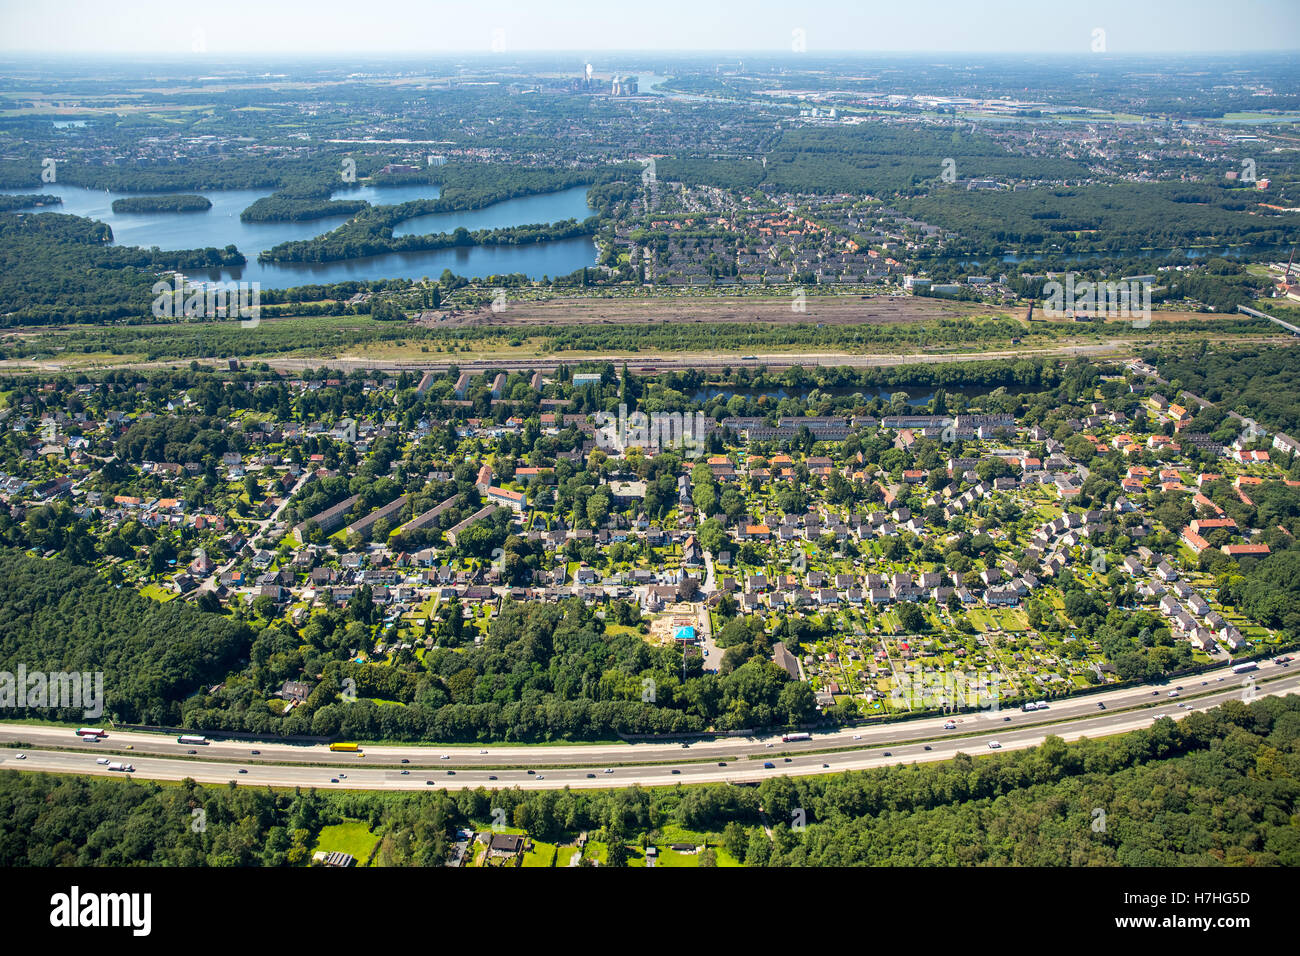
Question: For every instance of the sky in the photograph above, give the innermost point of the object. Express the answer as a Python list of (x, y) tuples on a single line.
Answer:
[(168, 28)]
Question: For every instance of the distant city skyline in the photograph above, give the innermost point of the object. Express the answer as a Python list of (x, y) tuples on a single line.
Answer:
[(340, 27)]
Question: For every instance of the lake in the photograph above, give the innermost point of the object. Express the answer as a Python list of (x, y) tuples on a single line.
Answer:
[(220, 226), (547, 207)]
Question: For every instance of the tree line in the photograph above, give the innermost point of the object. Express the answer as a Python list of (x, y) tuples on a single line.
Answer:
[(1215, 789)]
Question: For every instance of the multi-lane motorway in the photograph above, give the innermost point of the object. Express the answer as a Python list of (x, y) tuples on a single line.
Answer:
[(713, 760)]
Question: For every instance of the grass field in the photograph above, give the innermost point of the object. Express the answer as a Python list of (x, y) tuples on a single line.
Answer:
[(157, 592), (522, 335), (353, 837), (832, 309), (541, 854)]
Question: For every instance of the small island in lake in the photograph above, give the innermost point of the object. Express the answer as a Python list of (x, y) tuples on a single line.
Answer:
[(8, 202), (169, 203)]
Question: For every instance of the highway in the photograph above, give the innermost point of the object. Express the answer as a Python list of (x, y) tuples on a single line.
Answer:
[(718, 760), (1264, 315)]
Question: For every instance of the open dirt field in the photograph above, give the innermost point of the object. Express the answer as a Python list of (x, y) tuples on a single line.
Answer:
[(828, 310)]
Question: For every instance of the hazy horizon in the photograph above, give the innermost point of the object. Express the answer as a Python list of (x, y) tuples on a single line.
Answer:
[(581, 27)]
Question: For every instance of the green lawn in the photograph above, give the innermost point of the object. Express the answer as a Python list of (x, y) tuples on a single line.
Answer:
[(157, 592), (353, 837), (541, 854), (669, 857), (1013, 619)]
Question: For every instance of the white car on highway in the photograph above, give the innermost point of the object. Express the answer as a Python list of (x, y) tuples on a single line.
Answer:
[(994, 745)]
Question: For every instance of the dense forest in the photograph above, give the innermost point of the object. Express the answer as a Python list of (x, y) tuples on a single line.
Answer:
[(1107, 219), (1270, 591), (370, 234), (872, 159), (282, 208), (1220, 788), (10, 203), (167, 203), (1261, 383), (55, 616), (233, 172), (56, 268)]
